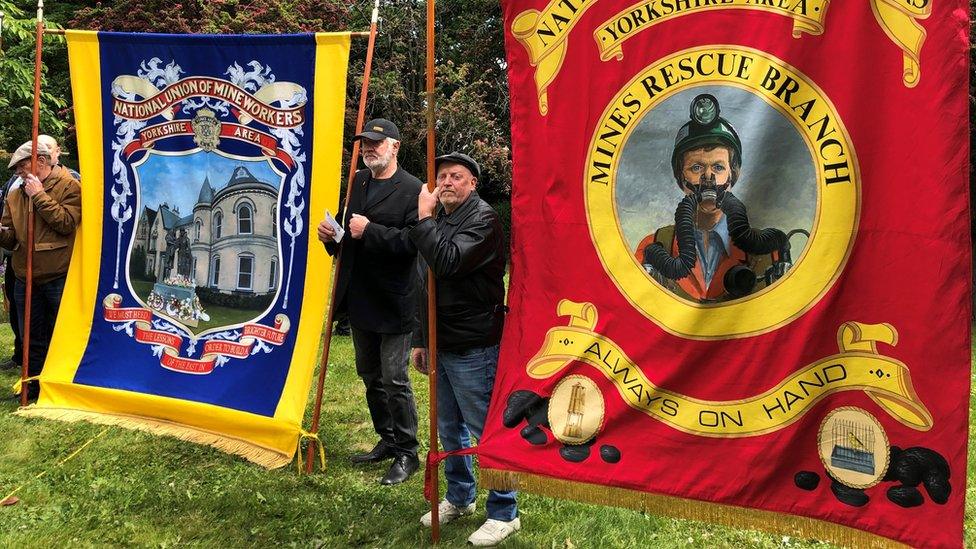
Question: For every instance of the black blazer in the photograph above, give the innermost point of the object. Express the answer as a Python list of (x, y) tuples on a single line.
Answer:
[(377, 277)]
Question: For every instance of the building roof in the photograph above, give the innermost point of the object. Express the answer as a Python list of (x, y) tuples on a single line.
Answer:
[(172, 219), (206, 192), (242, 176), (150, 215), (243, 179)]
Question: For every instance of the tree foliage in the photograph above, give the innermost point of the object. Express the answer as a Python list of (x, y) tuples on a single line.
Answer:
[(215, 16), (471, 91), (17, 77), (471, 88)]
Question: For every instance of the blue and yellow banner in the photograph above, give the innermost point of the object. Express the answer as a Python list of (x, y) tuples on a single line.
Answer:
[(196, 293)]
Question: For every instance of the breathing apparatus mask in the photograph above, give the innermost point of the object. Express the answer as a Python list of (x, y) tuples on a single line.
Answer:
[(706, 189)]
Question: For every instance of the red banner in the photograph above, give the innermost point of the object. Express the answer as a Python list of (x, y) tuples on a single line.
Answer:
[(740, 284)]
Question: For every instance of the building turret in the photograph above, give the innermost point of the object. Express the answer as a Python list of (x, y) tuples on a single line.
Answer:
[(206, 194)]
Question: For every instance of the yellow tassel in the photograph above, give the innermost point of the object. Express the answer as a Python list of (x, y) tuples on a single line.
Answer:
[(19, 384), (314, 437), (265, 457), (728, 515)]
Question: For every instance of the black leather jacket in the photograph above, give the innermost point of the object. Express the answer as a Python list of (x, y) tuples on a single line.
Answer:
[(466, 251)]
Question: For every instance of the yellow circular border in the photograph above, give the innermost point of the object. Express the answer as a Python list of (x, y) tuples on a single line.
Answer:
[(835, 224), (885, 442), (601, 407)]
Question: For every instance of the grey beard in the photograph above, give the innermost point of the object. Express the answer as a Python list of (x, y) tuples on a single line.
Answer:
[(378, 165)]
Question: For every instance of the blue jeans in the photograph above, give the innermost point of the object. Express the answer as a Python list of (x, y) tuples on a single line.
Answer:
[(464, 383)]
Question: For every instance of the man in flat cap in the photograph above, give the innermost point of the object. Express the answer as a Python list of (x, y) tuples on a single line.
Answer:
[(8, 274), (375, 287), (56, 199), (463, 244)]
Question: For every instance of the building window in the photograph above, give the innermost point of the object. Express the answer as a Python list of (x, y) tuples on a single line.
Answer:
[(245, 272), (244, 219), (193, 276), (217, 222), (214, 270), (274, 221), (273, 281), (196, 233), (152, 241)]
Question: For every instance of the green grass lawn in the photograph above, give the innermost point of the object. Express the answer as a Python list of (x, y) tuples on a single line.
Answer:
[(133, 489)]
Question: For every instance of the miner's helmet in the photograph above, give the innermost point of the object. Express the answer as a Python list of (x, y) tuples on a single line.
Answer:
[(706, 128)]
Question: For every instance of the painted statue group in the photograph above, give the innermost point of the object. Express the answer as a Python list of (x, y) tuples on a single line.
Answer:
[(395, 229)]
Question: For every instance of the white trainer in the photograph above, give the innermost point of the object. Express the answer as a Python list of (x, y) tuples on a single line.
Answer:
[(447, 512), (493, 532)]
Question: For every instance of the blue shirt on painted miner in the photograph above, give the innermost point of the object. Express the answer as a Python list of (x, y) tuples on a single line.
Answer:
[(719, 244)]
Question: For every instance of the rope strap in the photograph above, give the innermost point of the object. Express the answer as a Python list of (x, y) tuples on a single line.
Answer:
[(19, 384), (433, 460), (314, 438)]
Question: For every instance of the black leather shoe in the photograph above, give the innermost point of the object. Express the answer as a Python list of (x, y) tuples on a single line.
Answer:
[(380, 452), (8, 364), (403, 467)]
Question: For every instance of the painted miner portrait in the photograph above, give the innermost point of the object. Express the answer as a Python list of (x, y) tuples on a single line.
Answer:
[(706, 247)]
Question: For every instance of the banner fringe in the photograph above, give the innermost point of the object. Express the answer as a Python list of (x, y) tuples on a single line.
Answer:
[(264, 457), (671, 506)]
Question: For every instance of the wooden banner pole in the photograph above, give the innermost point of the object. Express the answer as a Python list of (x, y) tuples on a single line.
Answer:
[(435, 531), (35, 131), (327, 336)]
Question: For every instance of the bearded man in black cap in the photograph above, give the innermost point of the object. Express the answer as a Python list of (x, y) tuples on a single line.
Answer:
[(711, 253), (375, 287)]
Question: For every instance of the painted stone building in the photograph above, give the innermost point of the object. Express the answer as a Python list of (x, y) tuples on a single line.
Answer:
[(232, 232)]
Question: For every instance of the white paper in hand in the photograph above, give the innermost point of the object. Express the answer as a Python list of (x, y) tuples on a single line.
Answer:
[(339, 231)]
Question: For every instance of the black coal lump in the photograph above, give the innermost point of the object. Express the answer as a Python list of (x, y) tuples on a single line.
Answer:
[(610, 454), (520, 405), (905, 496), (850, 496), (540, 414), (937, 486), (806, 480), (575, 453), (534, 435)]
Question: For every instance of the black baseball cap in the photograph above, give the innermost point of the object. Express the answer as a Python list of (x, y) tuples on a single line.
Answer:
[(459, 158), (378, 129)]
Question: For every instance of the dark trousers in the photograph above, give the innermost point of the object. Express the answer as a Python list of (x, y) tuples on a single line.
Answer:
[(45, 301), (8, 292), (381, 361)]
